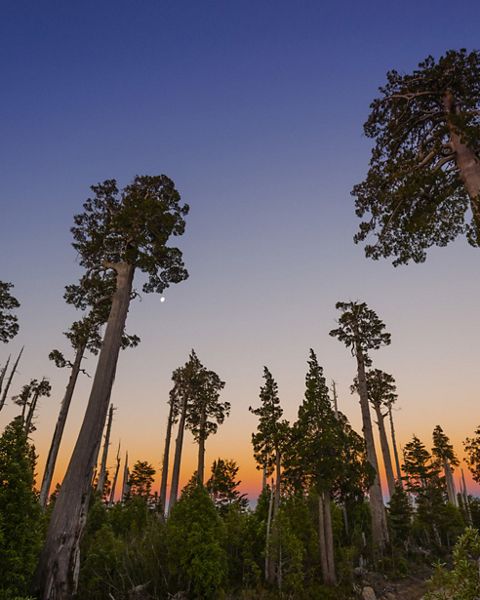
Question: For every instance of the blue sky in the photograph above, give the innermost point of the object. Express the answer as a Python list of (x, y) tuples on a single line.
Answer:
[(255, 109)]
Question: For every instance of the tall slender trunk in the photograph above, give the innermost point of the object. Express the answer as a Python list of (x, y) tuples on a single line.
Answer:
[(126, 480), (59, 427), (201, 448), (264, 478), (4, 371), (465, 499), (322, 541), (466, 160), (394, 445), (387, 460), (451, 493), (335, 398), (31, 412), (178, 455), (379, 519), (102, 476), (269, 574), (332, 578), (111, 500), (166, 459), (58, 568), (10, 379), (277, 481)]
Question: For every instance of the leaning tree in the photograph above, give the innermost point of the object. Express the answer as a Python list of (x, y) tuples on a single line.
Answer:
[(123, 232), (423, 185), (8, 320), (360, 329)]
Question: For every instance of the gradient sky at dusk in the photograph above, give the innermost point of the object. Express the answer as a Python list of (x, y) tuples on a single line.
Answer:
[(255, 109)]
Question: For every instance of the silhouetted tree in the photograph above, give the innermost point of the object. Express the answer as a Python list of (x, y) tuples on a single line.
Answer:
[(8, 321), (424, 176), (472, 452), (171, 420), (141, 479), (120, 232), (361, 330), (443, 451), (10, 378), (223, 486)]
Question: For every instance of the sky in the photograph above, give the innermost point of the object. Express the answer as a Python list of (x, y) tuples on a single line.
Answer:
[(255, 110)]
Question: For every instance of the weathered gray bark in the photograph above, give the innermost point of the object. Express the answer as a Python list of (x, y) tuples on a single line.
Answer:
[(466, 160), (277, 481), (111, 500), (451, 493), (178, 455), (59, 428), (335, 398), (465, 499), (10, 379), (3, 373), (102, 475), (394, 445), (379, 519), (264, 478), (166, 459), (57, 573), (387, 460), (322, 540)]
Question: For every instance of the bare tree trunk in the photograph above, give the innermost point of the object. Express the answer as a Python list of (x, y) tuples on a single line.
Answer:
[(465, 499), (322, 540), (264, 478), (57, 573), (379, 519), (335, 398), (10, 379), (394, 446), (178, 456), (387, 460), (201, 448), (102, 476), (59, 427), (3, 373), (451, 493), (268, 562), (111, 500), (31, 412), (467, 162), (126, 478), (332, 578), (166, 459)]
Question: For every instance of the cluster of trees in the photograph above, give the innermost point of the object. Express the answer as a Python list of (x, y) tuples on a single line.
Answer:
[(321, 515)]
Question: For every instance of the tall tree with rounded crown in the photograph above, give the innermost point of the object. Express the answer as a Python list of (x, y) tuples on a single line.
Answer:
[(121, 232), (360, 329), (443, 452), (423, 185)]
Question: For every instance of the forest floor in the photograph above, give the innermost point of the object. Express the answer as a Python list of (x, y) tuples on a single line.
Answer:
[(412, 587)]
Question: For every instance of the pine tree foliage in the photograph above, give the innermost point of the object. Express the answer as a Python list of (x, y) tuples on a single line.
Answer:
[(8, 320), (423, 185), (442, 448), (141, 479), (21, 524), (472, 452), (223, 486)]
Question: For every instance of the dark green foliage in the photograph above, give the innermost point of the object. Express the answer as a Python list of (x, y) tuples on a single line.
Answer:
[(141, 479), (133, 226), (8, 321), (400, 515), (223, 486), (195, 533), (413, 196), (442, 448), (360, 329), (21, 522), (472, 451)]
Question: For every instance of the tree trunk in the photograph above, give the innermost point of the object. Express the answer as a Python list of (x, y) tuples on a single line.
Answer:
[(3, 373), (102, 476), (465, 499), (111, 500), (451, 493), (166, 459), (387, 460), (379, 520), (10, 379), (59, 427), (178, 456), (467, 162), (277, 481), (332, 578), (322, 540), (394, 446), (269, 574), (264, 478), (31, 412), (201, 448), (125, 482), (58, 569)]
